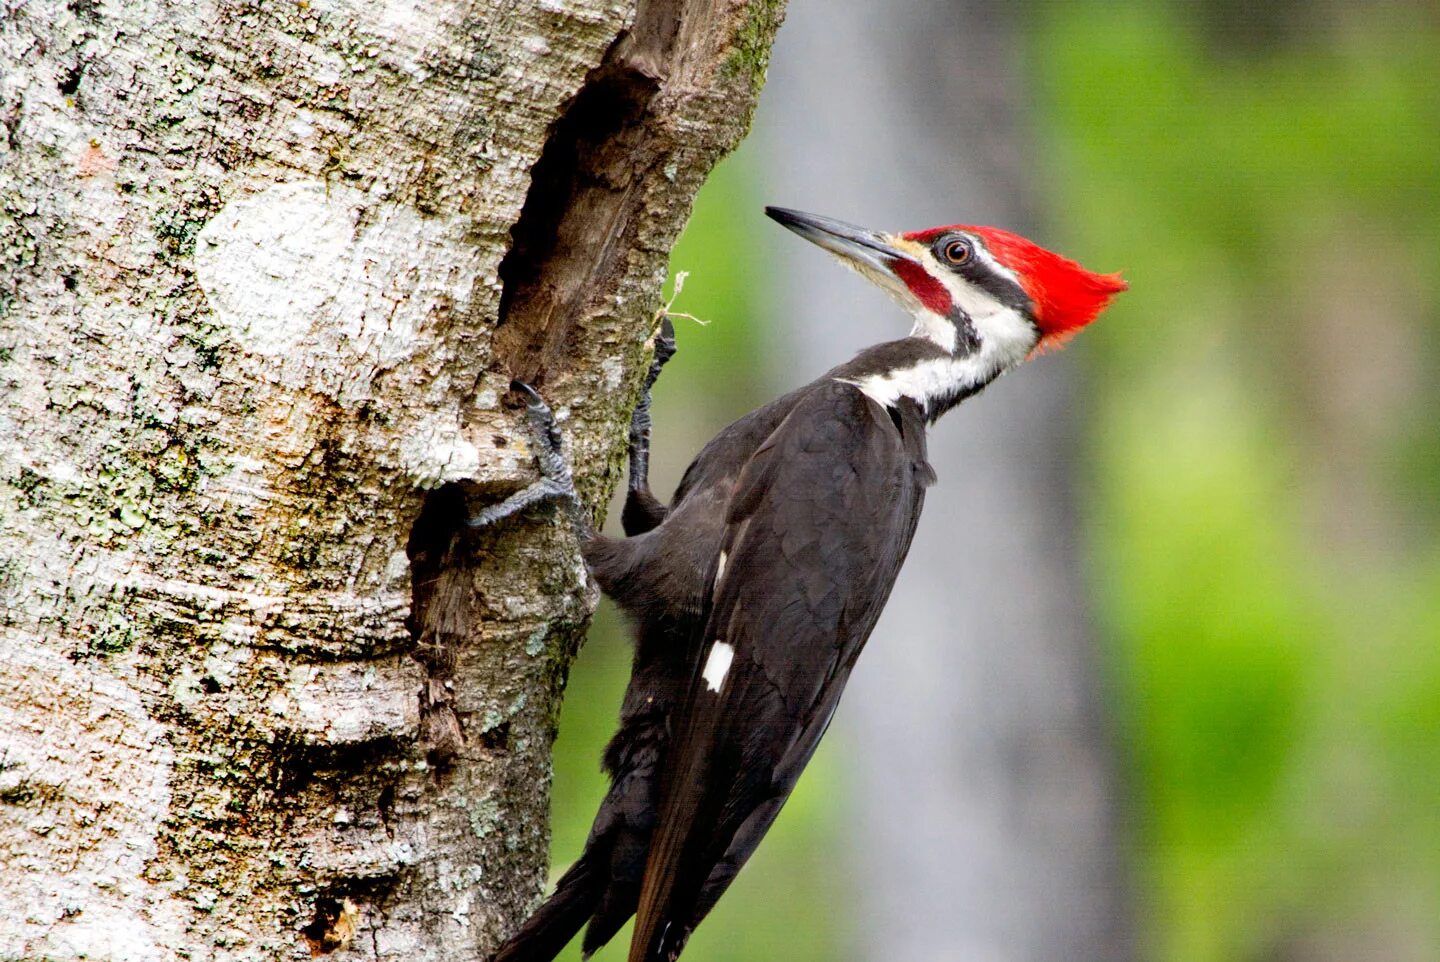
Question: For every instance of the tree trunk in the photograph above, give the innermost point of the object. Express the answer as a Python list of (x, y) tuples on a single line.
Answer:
[(988, 813), (266, 270)]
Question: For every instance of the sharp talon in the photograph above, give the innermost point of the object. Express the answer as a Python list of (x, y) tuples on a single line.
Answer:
[(556, 482)]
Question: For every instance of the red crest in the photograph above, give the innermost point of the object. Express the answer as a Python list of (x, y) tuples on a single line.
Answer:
[(1066, 295)]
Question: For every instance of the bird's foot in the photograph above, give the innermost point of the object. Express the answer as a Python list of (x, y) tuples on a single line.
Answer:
[(640, 418), (664, 351), (556, 481)]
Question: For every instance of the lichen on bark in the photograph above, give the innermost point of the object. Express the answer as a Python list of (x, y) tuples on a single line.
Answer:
[(258, 698)]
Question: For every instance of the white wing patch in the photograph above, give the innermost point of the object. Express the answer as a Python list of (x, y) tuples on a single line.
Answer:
[(717, 666), (720, 569)]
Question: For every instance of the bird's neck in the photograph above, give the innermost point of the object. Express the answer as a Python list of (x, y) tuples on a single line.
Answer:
[(918, 368)]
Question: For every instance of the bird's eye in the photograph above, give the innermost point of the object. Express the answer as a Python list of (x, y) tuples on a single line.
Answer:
[(957, 251)]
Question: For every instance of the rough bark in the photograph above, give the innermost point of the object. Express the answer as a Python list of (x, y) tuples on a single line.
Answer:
[(986, 787), (266, 270)]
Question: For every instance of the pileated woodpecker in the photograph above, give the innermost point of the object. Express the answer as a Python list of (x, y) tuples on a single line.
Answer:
[(753, 592)]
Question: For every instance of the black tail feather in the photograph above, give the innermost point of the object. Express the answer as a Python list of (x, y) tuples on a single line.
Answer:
[(614, 910), (555, 923)]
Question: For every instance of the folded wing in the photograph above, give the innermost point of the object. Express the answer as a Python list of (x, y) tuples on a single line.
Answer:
[(820, 522)]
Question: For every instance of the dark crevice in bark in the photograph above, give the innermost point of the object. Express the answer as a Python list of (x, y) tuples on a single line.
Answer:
[(325, 933), (338, 912), (496, 739), (554, 259), (298, 763), (70, 83), (440, 615), (581, 206)]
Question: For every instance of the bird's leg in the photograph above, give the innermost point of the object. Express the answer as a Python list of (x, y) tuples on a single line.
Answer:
[(643, 511), (556, 482)]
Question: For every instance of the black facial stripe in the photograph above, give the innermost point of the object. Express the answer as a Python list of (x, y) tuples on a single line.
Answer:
[(998, 286), (967, 339), (978, 272)]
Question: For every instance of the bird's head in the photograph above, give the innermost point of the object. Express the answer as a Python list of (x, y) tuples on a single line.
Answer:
[(971, 290)]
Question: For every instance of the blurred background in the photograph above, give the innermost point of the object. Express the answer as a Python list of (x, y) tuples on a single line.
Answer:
[(1161, 679)]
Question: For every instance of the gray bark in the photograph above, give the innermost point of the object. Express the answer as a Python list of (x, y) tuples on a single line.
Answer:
[(258, 699), (987, 812)]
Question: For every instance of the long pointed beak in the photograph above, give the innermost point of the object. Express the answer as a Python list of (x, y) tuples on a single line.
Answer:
[(862, 248)]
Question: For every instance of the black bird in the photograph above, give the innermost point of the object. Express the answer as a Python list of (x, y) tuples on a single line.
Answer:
[(753, 592)]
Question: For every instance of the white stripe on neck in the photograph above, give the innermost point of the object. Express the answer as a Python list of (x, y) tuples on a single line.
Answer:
[(936, 329), (1005, 339), (929, 383)]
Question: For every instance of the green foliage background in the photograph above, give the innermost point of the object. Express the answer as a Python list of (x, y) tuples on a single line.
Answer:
[(1280, 644), (1262, 477)]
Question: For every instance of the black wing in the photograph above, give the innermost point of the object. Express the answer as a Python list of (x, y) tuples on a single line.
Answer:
[(821, 519)]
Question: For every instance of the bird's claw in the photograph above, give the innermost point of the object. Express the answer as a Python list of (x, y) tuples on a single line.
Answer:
[(532, 396), (664, 341), (556, 481), (542, 423)]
